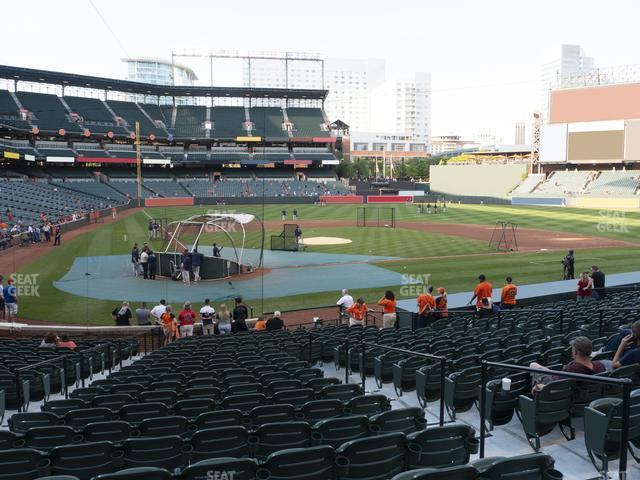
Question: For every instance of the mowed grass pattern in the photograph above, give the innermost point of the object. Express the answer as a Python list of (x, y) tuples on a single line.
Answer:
[(457, 274)]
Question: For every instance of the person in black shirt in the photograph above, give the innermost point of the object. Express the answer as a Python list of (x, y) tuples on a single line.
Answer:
[(152, 262), (217, 250), (122, 315), (568, 263), (275, 322), (240, 314), (598, 291)]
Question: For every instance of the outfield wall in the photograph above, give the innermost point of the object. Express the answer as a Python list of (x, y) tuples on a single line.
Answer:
[(476, 180)]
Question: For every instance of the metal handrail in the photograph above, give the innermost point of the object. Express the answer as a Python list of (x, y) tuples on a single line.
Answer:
[(626, 401)]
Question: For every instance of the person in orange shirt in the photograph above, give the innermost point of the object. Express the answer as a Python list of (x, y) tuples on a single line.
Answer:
[(357, 312), (261, 323), (483, 290), (426, 304), (169, 326), (508, 296), (442, 310), (388, 303)]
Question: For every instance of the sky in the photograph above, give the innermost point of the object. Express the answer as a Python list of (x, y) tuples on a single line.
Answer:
[(484, 56)]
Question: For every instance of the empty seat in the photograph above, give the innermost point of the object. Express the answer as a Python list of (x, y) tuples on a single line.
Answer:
[(405, 420), (136, 412), (271, 414), (137, 473), (21, 422), (373, 458), (85, 460), (45, 438), (342, 392), (440, 447), (367, 405), (115, 431), (166, 397), (167, 452), (213, 393), (319, 383), (461, 390), (521, 467), (271, 437), (84, 416), (336, 431), (164, 426), (113, 401), (464, 472), (244, 403), (61, 407), (193, 407), (317, 410), (220, 418), (236, 468), (9, 440), (219, 442), (297, 398), (87, 393), (314, 463), (23, 464)]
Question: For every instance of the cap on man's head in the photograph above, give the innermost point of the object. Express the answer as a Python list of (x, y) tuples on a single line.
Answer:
[(481, 277), (509, 279), (187, 304), (277, 313), (345, 291)]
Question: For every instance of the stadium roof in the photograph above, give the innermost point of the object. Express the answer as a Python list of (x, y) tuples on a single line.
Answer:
[(100, 83)]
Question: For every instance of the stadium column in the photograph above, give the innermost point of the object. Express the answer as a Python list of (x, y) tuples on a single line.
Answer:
[(138, 164)]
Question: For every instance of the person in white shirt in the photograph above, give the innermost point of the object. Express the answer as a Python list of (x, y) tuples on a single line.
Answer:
[(345, 301), (157, 311), (206, 316), (144, 263)]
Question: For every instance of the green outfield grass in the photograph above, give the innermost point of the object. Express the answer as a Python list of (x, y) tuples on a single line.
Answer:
[(457, 274)]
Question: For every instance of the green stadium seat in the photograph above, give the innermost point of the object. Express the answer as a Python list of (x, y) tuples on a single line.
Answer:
[(271, 437), (373, 458), (86, 460), (219, 442), (23, 464), (168, 452), (336, 431), (137, 473), (313, 463), (239, 468), (439, 447)]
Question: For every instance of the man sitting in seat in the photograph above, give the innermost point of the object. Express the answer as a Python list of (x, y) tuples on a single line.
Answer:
[(275, 322), (581, 350), (628, 351)]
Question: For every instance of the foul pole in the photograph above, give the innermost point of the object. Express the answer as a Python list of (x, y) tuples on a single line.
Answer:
[(138, 164)]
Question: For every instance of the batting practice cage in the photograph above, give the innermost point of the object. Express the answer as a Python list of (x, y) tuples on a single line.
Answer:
[(286, 240), (376, 217), (504, 237), (238, 237)]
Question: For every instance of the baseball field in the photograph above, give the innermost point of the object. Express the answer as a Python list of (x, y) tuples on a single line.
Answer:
[(85, 278)]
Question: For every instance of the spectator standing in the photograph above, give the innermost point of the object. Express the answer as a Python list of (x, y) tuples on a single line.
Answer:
[(508, 295), (2, 287), (157, 311), (143, 314), (598, 277), (585, 285), (224, 320), (185, 267), (483, 290), (150, 230), (153, 264), (144, 263), (568, 266), (46, 230), (187, 319), (206, 317), (122, 315), (275, 322), (169, 326), (196, 261), (135, 259), (239, 316), (10, 300), (57, 236), (442, 309), (426, 303), (64, 342), (357, 312), (388, 303)]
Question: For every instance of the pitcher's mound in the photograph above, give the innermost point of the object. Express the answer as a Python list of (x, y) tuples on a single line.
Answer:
[(325, 241)]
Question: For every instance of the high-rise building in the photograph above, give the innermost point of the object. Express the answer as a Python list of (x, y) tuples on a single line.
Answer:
[(159, 72), (569, 59), (360, 94), (520, 133)]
